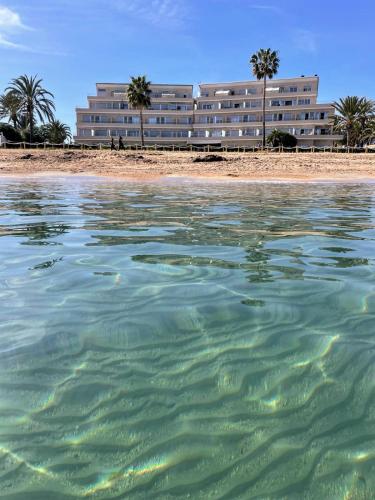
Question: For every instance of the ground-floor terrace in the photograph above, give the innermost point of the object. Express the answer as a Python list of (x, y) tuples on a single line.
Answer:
[(307, 137)]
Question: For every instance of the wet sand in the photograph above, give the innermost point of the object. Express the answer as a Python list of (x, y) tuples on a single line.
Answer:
[(153, 165)]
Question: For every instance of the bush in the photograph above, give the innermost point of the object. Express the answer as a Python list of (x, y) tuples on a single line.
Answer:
[(39, 134), (279, 138), (10, 133)]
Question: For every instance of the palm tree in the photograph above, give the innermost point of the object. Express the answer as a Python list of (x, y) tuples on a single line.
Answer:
[(57, 132), (353, 116), (368, 135), (10, 106), (265, 64), (34, 99), (139, 97)]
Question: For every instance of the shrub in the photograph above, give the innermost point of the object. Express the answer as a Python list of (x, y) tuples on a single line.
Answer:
[(280, 138), (10, 133)]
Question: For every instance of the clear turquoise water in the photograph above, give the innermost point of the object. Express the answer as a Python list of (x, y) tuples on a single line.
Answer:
[(186, 340)]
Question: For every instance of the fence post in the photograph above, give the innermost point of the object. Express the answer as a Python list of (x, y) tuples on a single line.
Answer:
[(24, 145), (296, 149)]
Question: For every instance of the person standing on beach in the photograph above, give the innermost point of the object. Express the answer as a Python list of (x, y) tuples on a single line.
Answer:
[(120, 143), (113, 147)]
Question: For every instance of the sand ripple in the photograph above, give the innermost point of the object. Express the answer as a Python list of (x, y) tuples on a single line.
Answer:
[(186, 341)]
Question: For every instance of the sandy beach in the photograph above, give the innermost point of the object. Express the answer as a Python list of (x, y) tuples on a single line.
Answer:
[(153, 165)]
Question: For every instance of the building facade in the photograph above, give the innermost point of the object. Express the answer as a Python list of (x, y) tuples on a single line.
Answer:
[(168, 120), (223, 114)]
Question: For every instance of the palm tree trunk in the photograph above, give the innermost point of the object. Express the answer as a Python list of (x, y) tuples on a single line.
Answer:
[(31, 123), (264, 112), (141, 121)]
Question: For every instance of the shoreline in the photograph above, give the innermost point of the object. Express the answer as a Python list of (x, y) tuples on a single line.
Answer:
[(146, 166)]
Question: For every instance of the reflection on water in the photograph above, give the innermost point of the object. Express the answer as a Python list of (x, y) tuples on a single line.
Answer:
[(186, 340)]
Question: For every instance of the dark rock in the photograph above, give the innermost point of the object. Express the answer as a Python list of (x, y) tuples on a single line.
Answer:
[(136, 157), (209, 158), (26, 157)]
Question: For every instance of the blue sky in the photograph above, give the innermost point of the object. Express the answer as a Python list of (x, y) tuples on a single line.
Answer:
[(72, 44)]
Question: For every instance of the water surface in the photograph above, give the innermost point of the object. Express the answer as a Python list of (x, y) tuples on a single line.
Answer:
[(186, 340)]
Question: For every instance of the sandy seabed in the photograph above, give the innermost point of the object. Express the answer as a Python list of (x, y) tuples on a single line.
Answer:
[(151, 165)]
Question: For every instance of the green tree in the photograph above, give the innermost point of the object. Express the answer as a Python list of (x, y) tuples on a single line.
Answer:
[(10, 107), (280, 138), (139, 98), (353, 116), (10, 133), (368, 134), (265, 64), (35, 101), (56, 132)]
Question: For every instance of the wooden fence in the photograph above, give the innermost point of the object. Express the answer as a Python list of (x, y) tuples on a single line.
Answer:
[(191, 147)]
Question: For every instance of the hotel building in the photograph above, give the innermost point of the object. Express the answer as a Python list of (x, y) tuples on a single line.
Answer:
[(223, 114)]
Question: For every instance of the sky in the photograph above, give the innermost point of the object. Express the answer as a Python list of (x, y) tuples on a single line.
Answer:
[(72, 44)]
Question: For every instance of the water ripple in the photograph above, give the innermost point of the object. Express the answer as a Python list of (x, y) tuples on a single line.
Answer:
[(186, 341)]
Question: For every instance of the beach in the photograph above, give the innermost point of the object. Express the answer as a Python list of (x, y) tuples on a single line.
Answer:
[(152, 165)]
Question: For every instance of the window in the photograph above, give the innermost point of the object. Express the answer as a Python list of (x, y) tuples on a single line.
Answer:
[(303, 102), (132, 133), (275, 103), (232, 133), (307, 88), (152, 133), (100, 132), (206, 106), (292, 89), (84, 132), (306, 131), (249, 131), (288, 103)]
